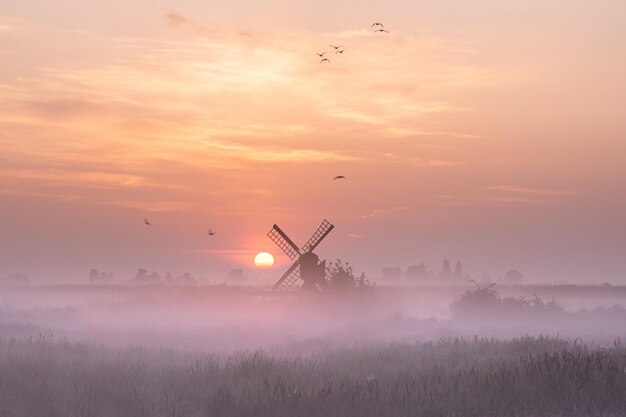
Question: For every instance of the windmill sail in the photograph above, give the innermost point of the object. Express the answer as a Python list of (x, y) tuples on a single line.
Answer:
[(289, 278), (306, 267), (282, 241), (318, 236)]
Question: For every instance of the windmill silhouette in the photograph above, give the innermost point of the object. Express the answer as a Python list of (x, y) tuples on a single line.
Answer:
[(306, 266)]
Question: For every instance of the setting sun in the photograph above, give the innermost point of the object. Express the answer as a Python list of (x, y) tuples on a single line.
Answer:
[(264, 260)]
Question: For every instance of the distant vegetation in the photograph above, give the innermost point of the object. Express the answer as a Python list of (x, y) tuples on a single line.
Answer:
[(341, 277), (523, 377), (15, 280), (484, 303), (145, 277), (419, 274)]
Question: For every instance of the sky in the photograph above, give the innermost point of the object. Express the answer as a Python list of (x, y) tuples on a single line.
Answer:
[(487, 131)]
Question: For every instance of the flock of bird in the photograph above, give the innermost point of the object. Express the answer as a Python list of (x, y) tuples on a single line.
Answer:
[(376, 27)]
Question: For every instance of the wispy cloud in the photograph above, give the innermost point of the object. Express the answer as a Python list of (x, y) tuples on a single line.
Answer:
[(93, 179), (408, 131), (433, 162), (274, 154), (230, 251), (505, 195), (10, 24), (176, 19), (459, 200), (62, 195), (354, 235), (513, 189), (217, 107), (421, 162), (355, 116), (381, 211)]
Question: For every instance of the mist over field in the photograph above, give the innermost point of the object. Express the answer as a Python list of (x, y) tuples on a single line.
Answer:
[(226, 318), (219, 350)]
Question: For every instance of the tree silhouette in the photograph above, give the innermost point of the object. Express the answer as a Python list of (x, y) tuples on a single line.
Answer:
[(458, 270), (416, 272), (513, 276), (391, 273), (446, 271), (341, 277)]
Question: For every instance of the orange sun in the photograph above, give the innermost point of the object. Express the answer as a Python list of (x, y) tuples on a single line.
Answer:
[(264, 260)]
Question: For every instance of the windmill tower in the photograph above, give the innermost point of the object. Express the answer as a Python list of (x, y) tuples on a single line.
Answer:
[(306, 266)]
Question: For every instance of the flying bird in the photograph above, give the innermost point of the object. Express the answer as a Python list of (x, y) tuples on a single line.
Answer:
[(382, 30), (336, 47), (325, 59), (321, 55), (339, 177), (211, 232), (146, 221), (378, 24), (339, 51)]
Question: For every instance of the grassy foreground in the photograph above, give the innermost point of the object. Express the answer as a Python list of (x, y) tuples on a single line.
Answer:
[(520, 377)]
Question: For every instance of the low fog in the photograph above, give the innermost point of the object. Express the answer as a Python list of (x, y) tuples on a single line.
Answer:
[(226, 319), (370, 350)]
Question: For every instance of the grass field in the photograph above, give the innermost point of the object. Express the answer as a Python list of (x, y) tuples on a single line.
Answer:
[(217, 351), (455, 377)]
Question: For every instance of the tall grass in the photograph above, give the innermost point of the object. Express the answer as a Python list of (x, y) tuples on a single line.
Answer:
[(453, 377)]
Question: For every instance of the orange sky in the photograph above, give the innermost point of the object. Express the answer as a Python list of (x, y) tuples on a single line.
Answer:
[(492, 132)]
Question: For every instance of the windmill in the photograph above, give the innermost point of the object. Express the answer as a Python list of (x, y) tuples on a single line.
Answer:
[(306, 266)]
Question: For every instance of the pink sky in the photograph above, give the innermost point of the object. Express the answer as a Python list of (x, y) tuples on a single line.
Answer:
[(487, 131)]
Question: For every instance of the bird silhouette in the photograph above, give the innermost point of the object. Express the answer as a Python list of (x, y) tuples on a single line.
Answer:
[(339, 51), (146, 221), (382, 30), (336, 47), (321, 55), (378, 24), (325, 59), (211, 232), (339, 177)]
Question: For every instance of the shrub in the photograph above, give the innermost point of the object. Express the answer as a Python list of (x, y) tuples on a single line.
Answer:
[(485, 303), (341, 276)]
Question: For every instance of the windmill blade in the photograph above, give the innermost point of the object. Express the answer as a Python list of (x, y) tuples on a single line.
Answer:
[(318, 236), (289, 278), (282, 241)]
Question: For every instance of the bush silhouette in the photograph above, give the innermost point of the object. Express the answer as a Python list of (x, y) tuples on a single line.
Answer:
[(341, 277), (485, 303)]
